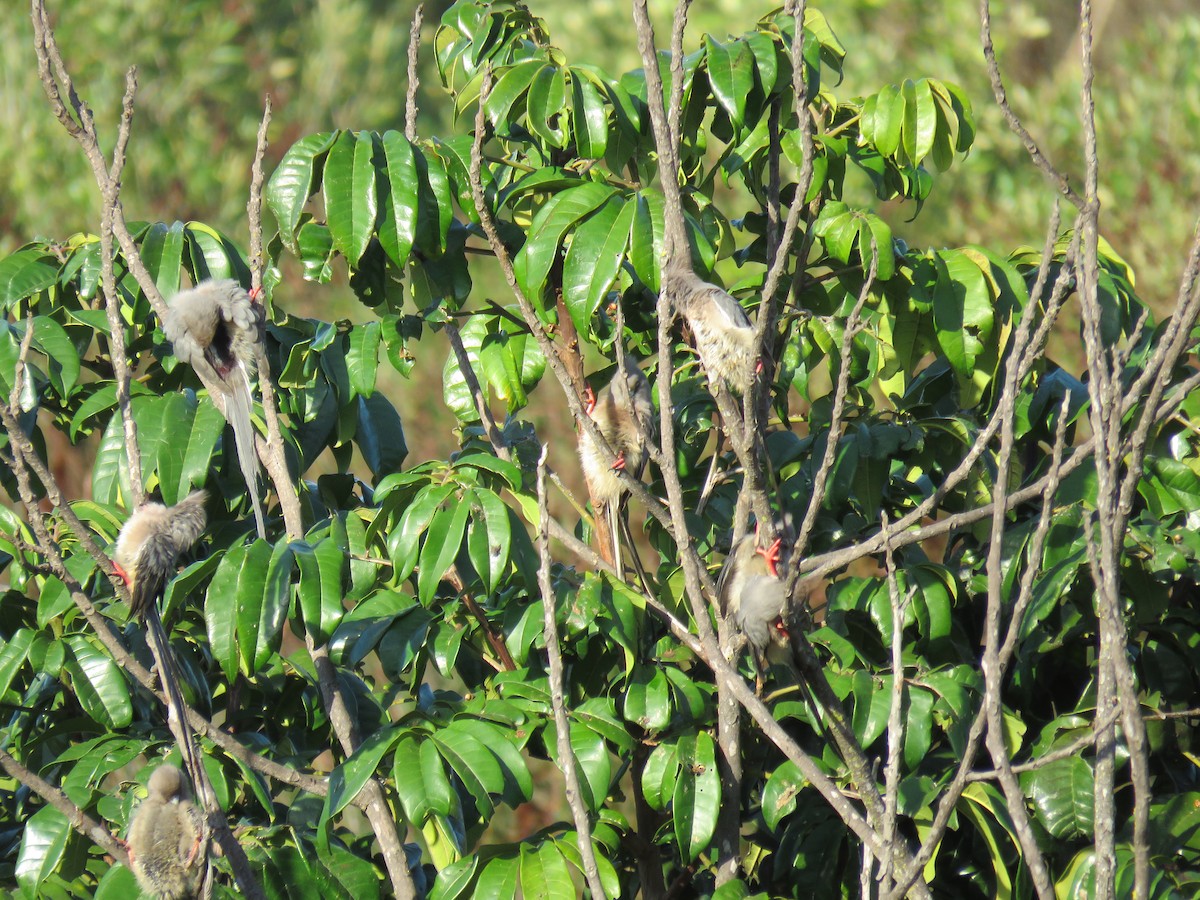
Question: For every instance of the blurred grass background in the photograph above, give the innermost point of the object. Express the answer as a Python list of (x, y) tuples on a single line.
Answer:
[(204, 66)]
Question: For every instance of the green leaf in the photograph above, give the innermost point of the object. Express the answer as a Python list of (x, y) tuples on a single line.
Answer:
[(213, 255), (646, 239), (779, 793), (544, 873), (292, 183), (434, 203), (221, 611), (442, 540), (23, 274), (594, 259), (545, 105), (380, 435), (489, 537), (99, 684), (1063, 796), (589, 118), (61, 357), (162, 252), (731, 73), (273, 601), (362, 359), (503, 104), (44, 839), (346, 780), (12, 656), (322, 570), (398, 228), (533, 262), (648, 699), (315, 249), (696, 800), (350, 193), (474, 764), (499, 879)]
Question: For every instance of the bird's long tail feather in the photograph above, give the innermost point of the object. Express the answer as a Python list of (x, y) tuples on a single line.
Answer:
[(239, 404)]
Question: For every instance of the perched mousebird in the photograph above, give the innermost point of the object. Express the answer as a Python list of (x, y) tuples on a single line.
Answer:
[(724, 336), (753, 596), (214, 327), (150, 542), (165, 837), (617, 411)]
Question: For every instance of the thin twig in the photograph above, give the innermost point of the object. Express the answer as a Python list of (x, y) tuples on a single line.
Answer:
[(562, 726)]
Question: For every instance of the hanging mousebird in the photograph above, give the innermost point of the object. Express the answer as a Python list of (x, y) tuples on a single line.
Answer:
[(754, 597), (624, 414), (723, 333), (214, 327), (165, 837), (150, 542)]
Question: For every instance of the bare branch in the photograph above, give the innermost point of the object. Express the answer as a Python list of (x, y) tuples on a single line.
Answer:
[(1059, 180), (414, 47), (562, 726), (76, 817)]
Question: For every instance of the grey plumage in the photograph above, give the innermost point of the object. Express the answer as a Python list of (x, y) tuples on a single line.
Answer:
[(215, 327), (165, 837), (624, 414), (754, 598), (722, 331), (617, 412), (151, 541)]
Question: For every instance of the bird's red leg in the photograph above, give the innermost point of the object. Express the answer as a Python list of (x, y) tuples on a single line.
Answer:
[(121, 573), (771, 556), (619, 462), (191, 857), (589, 397)]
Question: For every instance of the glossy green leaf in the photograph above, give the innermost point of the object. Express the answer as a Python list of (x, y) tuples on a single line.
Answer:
[(474, 764), (489, 536), (779, 793), (398, 225), (1063, 794), (594, 258), (362, 359), (61, 357), (562, 212), (350, 193), (23, 274), (270, 596), (44, 839), (646, 238), (162, 252), (544, 873), (589, 118), (545, 105), (380, 435), (322, 568), (99, 684), (221, 610), (731, 73), (346, 780), (696, 800), (442, 541), (292, 182)]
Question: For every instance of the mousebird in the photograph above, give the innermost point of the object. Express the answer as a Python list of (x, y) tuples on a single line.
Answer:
[(150, 542), (624, 414), (165, 837), (215, 327), (722, 331)]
